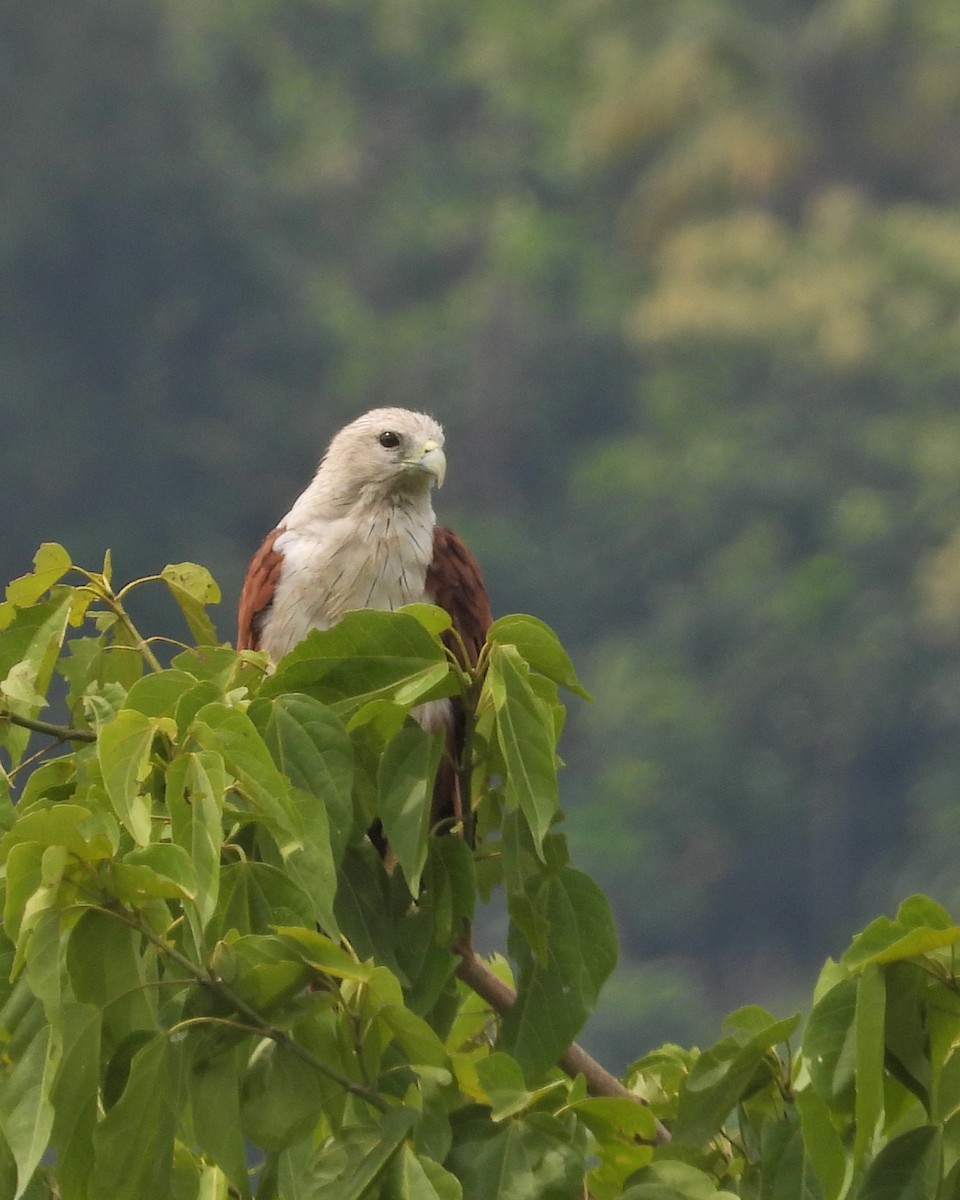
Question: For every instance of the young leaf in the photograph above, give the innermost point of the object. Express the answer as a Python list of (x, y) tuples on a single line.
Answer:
[(539, 646), (29, 649), (193, 588), (51, 562)]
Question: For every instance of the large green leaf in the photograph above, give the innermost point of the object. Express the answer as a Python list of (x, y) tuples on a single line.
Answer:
[(123, 748), (213, 1088), (281, 1097), (133, 1144), (525, 733), (195, 786), (26, 1107), (367, 656), (869, 1021), (75, 1097), (405, 781), (674, 1181), (822, 1143), (558, 989), (254, 897), (907, 1168), (829, 1044), (231, 734), (311, 747), (108, 969), (532, 1156), (50, 563)]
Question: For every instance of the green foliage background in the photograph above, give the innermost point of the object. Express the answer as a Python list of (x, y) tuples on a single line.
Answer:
[(681, 279)]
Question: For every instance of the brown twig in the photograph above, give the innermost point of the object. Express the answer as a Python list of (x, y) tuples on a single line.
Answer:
[(574, 1061)]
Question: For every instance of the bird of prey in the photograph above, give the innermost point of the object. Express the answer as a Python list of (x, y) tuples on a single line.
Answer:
[(363, 535)]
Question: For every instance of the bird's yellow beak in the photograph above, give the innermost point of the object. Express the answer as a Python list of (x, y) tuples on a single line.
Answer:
[(432, 460)]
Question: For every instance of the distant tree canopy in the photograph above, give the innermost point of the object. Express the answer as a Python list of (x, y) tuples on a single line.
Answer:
[(682, 281)]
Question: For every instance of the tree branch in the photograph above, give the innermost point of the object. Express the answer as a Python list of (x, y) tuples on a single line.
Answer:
[(63, 733), (575, 1060)]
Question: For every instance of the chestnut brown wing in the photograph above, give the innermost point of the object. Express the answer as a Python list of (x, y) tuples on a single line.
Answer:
[(256, 595), (454, 582)]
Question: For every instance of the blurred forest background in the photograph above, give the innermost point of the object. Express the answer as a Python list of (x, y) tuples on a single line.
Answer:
[(682, 280)]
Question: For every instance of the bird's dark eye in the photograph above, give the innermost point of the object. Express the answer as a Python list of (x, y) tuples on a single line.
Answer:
[(389, 440)]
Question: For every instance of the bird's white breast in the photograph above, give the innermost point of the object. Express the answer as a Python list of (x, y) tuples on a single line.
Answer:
[(333, 566)]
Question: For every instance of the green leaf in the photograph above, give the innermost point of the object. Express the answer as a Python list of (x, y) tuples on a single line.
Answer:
[(405, 781), (907, 1168), (325, 955), (420, 1044), (195, 787), (26, 1109), (213, 1084), (415, 1177), (347, 1166), (829, 1045), (311, 747), (502, 1079), (281, 1097), (75, 1096), (159, 694), (822, 1143), (673, 1181), (254, 897), (230, 733), (869, 1037), (886, 941), (368, 655), (435, 620), (51, 562), (533, 1156), (133, 1144), (558, 990), (161, 869), (108, 970), (29, 649), (720, 1079), (526, 737), (539, 646), (123, 749), (363, 906), (606, 1115), (193, 588)]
